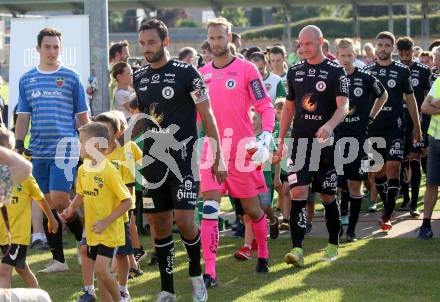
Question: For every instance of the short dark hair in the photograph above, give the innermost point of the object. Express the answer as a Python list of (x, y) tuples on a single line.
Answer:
[(235, 37), (258, 56), (156, 24), (117, 47), (251, 50), (277, 50), (434, 43), (205, 45), (48, 32), (386, 35), (118, 69), (184, 52), (405, 43)]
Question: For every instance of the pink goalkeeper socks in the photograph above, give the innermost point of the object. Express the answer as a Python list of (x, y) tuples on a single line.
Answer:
[(260, 233), (209, 236)]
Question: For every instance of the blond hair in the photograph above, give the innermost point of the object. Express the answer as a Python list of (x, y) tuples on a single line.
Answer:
[(221, 22), (345, 43)]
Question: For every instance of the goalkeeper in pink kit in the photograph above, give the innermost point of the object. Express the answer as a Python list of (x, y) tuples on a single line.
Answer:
[(235, 86)]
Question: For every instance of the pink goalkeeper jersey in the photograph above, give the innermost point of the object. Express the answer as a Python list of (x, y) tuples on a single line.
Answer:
[(233, 91)]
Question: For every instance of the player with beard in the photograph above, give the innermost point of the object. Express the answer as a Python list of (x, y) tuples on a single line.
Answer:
[(317, 100), (367, 96), (235, 86), (389, 124), (171, 93), (420, 76)]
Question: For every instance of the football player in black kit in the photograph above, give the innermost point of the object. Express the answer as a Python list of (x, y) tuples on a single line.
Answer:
[(389, 124), (318, 98), (410, 170), (170, 93), (366, 96)]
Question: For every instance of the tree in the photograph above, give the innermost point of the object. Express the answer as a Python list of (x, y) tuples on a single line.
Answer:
[(115, 20), (235, 16), (170, 16)]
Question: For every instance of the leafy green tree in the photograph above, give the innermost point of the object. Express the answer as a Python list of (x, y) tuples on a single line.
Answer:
[(236, 16)]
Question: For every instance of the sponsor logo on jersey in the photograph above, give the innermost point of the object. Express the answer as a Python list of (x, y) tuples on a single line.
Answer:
[(230, 84), (155, 78), (299, 79), (330, 180), (321, 86), (32, 80), (36, 94), (415, 82), (351, 109), (14, 256), (207, 76), (396, 147), (144, 88), (257, 89), (300, 73), (311, 72), (46, 93), (145, 81), (187, 190), (168, 92), (197, 83), (308, 104), (95, 192)]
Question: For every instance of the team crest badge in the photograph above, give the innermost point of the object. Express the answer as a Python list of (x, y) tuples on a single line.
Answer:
[(60, 81)]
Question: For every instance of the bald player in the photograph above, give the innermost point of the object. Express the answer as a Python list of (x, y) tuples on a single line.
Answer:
[(317, 100)]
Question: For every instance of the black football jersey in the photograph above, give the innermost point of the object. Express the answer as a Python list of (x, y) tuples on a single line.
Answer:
[(396, 78), (421, 81), (364, 90), (314, 89), (168, 96)]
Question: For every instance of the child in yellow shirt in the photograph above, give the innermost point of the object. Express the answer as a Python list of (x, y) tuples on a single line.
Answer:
[(19, 214), (106, 199)]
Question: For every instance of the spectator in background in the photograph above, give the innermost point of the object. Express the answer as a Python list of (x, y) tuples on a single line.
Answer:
[(272, 82), (326, 50), (236, 40), (188, 55), (206, 52), (369, 54), (436, 64), (277, 62), (293, 56), (417, 51), (427, 58), (124, 93), (119, 52), (434, 44), (250, 51)]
